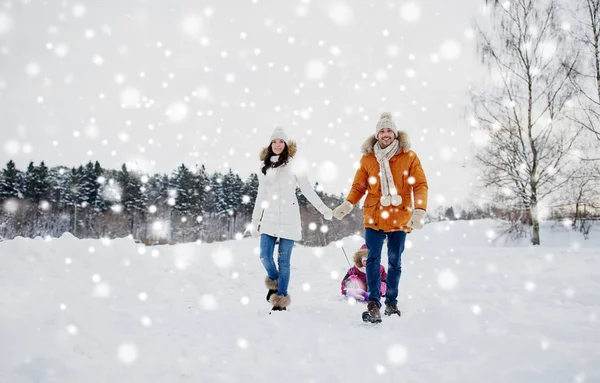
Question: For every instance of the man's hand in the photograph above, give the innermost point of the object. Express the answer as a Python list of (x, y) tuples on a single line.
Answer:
[(417, 220)]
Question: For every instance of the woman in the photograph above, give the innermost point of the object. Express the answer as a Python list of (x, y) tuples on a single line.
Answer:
[(277, 215)]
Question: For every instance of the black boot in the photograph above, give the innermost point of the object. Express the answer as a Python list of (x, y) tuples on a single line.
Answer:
[(280, 302), (271, 285)]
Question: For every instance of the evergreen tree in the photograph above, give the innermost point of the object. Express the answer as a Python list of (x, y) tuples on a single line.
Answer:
[(100, 204), (10, 182), (233, 188), (250, 192), (157, 190), (90, 187), (302, 201), (217, 204), (70, 187), (184, 183), (202, 188), (37, 185), (132, 197), (449, 214)]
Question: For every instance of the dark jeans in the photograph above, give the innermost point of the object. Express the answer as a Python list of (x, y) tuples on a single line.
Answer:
[(395, 245)]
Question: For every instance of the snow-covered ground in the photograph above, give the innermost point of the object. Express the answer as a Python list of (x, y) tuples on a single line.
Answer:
[(115, 311)]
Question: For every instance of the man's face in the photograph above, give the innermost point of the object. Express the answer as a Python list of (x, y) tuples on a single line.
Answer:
[(385, 137)]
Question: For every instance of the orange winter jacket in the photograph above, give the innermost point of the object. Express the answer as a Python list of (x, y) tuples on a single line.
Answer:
[(409, 178)]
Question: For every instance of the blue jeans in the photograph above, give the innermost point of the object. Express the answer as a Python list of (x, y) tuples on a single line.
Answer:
[(395, 245), (281, 274)]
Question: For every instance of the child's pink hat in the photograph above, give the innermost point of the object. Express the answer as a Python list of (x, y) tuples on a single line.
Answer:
[(363, 246)]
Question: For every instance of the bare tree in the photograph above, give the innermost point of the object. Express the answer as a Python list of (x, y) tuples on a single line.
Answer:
[(584, 190), (586, 31), (522, 115)]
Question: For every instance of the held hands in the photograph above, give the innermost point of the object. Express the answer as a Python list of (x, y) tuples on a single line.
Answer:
[(327, 213), (342, 210), (417, 220)]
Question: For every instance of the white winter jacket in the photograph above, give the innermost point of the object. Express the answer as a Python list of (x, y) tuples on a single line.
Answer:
[(276, 211)]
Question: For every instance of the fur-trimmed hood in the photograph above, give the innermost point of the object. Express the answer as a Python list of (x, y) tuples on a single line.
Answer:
[(402, 138), (358, 255), (292, 148)]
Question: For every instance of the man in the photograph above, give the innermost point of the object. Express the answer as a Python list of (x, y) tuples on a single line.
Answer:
[(389, 173)]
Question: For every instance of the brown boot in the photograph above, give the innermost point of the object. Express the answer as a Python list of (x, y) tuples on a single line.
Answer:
[(372, 314), (391, 310)]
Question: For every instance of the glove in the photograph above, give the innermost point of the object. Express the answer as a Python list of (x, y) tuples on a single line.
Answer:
[(253, 229), (327, 213), (417, 220), (342, 210)]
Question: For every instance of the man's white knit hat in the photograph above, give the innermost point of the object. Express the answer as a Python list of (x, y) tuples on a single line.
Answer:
[(385, 121), (279, 133)]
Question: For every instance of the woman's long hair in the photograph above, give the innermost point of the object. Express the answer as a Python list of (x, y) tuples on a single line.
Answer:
[(283, 158)]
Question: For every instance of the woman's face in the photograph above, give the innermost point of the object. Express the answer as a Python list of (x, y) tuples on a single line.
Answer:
[(277, 145)]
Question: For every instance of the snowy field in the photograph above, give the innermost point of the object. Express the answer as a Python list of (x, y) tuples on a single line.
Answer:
[(115, 311)]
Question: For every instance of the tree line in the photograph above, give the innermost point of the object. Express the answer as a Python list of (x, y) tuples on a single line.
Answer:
[(187, 205)]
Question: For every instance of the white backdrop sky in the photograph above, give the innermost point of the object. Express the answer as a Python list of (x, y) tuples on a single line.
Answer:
[(157, 83)]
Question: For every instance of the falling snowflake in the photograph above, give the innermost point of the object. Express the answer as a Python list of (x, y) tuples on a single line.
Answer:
[(127, 353), (208, 302), (177, 112), (6, 23), (192, 25), (101, 290), (222, 257), (450, 50), (447, 280), (315, 70), (410, 12), (341, 13), (78, 10), (397, 354), (130, 98)]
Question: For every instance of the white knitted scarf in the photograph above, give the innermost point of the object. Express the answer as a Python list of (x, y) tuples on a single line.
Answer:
[(389, 194)]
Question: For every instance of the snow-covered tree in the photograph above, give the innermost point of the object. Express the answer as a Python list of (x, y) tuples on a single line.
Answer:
[(133, 199), (519, 118), (249, 196), (157, 191), (216, 196), (91, 192), (10, 182), (202, 185), (37, 183), (183, 182), (586, 32)]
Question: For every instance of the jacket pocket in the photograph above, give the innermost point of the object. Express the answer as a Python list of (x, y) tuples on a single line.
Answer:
[(371, 213)]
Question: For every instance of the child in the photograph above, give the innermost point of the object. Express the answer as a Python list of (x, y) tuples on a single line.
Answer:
[(354, 283)]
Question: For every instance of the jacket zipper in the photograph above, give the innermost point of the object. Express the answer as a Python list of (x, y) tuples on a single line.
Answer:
[(260, 220)]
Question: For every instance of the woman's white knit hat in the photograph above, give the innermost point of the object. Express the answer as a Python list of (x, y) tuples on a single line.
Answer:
[(279, 133)]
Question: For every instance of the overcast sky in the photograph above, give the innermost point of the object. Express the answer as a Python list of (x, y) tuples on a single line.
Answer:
[(159, 83)]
